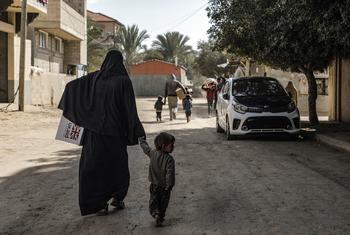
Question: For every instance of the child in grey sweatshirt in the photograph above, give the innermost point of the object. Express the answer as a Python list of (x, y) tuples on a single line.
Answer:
[(161, 173)]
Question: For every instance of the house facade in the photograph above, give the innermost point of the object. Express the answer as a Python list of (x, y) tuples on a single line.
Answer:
[(107, 24), (60, 36), (56, 42), (149, 77), (10, 17)]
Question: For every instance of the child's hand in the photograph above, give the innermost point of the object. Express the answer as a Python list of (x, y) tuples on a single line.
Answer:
[(142, 138)]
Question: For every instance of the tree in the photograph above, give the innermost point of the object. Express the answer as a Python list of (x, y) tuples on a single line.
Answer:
[(172, 45), (208, 60), (95, 50), (129, 40), (150, 54), (301, 35)]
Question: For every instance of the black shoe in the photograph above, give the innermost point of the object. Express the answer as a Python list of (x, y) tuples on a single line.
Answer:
[(103, 211), (120, 205), (159, 221)]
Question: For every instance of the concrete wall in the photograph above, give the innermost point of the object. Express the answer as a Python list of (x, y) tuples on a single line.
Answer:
[(62, 20), (300, 82), (345, 91), (339, 90), (149, 85), (78, 5), (13, 66), (322, 103), (47, 88)]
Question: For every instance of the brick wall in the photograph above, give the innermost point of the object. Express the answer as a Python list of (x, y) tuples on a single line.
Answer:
[(155, 67)]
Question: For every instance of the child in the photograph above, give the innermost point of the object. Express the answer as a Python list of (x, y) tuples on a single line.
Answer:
[(161, 174), (188, 106), (159, 107)]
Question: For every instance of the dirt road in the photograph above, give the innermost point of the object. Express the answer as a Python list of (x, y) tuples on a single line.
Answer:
[(248, 186)]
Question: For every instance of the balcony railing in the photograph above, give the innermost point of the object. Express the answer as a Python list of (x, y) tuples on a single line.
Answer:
[(33, 6)]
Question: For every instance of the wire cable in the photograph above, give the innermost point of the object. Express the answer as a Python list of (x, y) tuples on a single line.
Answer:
[(181, 20)]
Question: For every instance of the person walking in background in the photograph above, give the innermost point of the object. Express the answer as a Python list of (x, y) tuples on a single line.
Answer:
[(170, 92), (159, 107), (103, 102), (221, 82), (210, 89), (187, 102), (183, 100), (161, 174), (292, 92)]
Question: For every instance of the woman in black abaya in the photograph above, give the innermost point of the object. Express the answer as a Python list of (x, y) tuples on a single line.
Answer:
[(103, 102)]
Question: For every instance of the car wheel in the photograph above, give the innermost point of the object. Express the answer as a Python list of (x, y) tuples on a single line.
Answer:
[(228, 134), (218, 127)]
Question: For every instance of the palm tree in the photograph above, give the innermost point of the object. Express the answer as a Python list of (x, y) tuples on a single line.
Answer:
[(172, 45), (95, 49), (129, 41)]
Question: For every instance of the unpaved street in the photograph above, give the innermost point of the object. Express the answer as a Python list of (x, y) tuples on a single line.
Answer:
[(246, 186)]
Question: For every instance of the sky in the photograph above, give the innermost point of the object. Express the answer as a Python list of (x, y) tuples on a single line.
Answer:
[(188, 17)]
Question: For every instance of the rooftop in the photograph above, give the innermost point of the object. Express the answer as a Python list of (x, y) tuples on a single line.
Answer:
[(99, 17)]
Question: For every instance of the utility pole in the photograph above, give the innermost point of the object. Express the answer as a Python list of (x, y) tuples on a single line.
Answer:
[(22, 61)]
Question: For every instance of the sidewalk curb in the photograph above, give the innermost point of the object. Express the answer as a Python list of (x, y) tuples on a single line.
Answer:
[(332, 142)]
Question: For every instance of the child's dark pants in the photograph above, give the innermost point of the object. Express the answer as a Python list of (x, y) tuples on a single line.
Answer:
[(159, 115), (159, 200)]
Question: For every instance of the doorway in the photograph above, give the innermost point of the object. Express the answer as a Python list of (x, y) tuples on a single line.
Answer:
[(3, 67)]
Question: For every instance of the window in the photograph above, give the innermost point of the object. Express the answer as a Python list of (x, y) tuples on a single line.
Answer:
[(257, 87), (225, 89), (42, 39), (58, 45)]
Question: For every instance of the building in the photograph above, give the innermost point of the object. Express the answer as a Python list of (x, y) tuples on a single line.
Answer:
[(56, 42), (107, 24), (59, 37), (149, 77), (339, 90), (10, 20)]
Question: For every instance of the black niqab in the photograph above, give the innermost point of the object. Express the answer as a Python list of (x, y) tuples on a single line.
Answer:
[(104, 101)]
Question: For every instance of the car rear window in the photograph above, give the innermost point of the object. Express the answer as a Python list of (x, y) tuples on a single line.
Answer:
[(257, 87)]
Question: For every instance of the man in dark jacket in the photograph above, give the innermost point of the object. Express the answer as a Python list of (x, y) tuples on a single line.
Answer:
[(170, 91)]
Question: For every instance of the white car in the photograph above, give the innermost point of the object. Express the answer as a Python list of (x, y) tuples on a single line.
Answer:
[(255, 105)]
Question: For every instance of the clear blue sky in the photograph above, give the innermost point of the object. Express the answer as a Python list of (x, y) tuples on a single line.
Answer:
[(188, 17)]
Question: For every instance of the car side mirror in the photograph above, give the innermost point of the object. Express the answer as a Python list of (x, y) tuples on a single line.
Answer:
[(225, 96)]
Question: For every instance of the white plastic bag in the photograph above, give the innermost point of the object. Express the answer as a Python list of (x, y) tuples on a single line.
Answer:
[(69, 132)]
